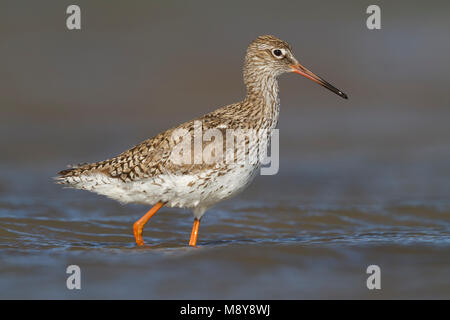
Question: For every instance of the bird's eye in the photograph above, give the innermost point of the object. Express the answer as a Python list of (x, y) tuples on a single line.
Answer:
[(278, 53)]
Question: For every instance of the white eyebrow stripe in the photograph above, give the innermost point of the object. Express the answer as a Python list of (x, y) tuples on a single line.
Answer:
[(263, 47)]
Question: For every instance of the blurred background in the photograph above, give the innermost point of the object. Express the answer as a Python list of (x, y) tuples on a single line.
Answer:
[(362, 181)]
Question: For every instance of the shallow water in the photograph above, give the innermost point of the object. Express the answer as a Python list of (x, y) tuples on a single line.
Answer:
[(307, 233)]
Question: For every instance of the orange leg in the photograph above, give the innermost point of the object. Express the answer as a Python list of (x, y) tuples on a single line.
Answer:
[(194, 233), (139, 225)]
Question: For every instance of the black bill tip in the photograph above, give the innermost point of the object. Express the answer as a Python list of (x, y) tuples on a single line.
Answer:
[(343, 95)]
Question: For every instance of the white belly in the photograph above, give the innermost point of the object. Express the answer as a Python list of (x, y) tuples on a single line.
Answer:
[(197, 191)]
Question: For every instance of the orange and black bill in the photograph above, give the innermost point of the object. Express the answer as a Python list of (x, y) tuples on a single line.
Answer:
[(298, 68)]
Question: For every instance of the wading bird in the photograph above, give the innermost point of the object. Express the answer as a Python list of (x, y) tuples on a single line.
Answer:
[(148, 174)]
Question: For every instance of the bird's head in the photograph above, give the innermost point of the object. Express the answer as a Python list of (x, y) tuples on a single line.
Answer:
[(270, 56)]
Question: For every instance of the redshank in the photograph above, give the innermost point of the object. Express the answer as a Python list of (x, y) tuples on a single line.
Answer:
[(150, 173)]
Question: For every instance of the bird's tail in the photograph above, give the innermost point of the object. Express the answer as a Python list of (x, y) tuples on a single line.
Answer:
[(72, 175)]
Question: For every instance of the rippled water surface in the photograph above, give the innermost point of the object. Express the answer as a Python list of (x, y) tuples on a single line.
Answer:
[(270, 242)]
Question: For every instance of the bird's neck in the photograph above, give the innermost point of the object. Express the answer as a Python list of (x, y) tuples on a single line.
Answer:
[(262, 94)]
